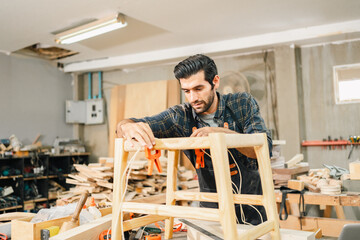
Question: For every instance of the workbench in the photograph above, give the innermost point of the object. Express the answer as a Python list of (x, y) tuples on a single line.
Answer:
[(329, 226)]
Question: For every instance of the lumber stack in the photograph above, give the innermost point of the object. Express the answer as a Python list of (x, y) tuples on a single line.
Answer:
[(97, 179), (281, 176)]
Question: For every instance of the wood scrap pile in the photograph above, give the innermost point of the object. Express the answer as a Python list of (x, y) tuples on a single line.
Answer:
[(281, 176), (96, 178), (318, 180)]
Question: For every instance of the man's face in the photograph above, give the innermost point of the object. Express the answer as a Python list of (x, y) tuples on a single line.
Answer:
[(199, 93)]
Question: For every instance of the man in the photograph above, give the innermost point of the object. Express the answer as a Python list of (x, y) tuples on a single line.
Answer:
[(209, 112)]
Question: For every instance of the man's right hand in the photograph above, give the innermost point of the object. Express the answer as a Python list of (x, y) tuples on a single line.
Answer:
[(138, 131)]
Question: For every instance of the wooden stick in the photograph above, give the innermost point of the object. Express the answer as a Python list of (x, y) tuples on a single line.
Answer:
[(257, 231), (173, 161), (120, 161), (231, 140), (219, 157), (209, 214), (213, 197), (262, 154)]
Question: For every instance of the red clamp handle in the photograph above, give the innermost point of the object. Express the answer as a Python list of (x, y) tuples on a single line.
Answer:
[(153, 159)]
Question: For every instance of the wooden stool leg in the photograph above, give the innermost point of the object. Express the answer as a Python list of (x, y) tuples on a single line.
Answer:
[(220, 161), (120, 161), (262, 154), (173, 160)]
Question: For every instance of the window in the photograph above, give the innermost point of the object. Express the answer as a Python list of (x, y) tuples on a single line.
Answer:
[(347, 83)]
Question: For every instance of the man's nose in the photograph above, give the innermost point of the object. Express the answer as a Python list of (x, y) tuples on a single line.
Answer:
[(193, 96)]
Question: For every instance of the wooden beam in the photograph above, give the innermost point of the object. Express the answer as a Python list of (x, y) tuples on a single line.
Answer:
[(213, 197), (232, 141), (209, 214), (88, 231), (257, 231)]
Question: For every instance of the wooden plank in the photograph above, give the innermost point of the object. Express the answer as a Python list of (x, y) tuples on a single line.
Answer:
[(151, 98), (213, 197), (311, 198), (209, 214), (142, 221), (173, 93), (258, 231), (120, 161), (262, 154), (340, 212), (231, 140), (297, 158), (173, 161), (88, 231), (291, 171), (116, 114), (220, 160), (203, 230), (350, 201)]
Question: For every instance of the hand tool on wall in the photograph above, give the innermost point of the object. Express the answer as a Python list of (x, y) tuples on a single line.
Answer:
[(74, 220)]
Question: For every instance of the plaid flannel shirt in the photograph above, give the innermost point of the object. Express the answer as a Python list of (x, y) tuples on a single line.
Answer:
[(239, 110)]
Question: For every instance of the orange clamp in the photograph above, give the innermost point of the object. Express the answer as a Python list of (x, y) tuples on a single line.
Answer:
[(153, 159), (199, 156), (226, 125)]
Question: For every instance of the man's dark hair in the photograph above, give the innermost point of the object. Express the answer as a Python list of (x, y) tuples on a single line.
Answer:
[(195, 64)]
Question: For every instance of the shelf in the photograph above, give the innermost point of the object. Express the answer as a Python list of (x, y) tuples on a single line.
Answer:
[(9, 177), (56, 176), (33, 178), (36, 200), (70, 154), (10, 208)]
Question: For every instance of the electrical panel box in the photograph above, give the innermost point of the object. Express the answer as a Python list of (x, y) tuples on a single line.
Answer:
[(94, 111), (90, 111), (75, 111)]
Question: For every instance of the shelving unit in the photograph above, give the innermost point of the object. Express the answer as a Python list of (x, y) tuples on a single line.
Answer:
[(55, 168)]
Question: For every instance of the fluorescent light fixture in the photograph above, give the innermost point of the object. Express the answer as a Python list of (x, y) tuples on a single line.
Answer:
[(91, 29)]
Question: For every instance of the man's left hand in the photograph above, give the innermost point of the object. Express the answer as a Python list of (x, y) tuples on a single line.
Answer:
[(204, 132)]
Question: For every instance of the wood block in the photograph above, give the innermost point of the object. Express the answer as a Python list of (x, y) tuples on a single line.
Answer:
[(297, 158), (296, 184), (354, 168)]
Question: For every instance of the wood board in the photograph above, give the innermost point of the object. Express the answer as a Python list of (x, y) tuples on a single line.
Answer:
[(204, 230)]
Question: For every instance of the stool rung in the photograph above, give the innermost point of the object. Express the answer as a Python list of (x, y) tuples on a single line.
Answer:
[(209, 214), (213, 197), (258, 231)]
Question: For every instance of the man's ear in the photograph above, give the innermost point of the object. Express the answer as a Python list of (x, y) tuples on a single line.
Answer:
[(216, 82)]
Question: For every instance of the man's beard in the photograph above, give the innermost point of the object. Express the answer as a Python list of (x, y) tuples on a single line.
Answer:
[(207, 104)]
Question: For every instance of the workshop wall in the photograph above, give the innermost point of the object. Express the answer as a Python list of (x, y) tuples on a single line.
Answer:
[(32, 99), (251, 65), (321, 117)]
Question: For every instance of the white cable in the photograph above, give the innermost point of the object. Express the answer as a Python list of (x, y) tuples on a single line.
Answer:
[(238, 191), (120, 212)]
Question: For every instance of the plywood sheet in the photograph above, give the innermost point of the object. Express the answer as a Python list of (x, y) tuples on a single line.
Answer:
[(145, 99)]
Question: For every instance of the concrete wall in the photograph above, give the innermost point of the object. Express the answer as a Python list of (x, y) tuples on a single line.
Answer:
[(96, 136), (32, 99), (322, 117)]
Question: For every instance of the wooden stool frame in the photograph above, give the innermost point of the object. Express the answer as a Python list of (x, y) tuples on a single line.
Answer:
[(218, 143)]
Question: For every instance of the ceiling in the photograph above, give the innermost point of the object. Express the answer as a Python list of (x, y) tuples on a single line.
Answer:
[(164, 30)]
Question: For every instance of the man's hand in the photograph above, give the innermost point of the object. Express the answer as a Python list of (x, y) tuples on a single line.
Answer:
[(138, 131), (204, 132)]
